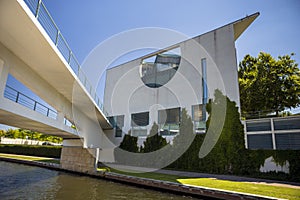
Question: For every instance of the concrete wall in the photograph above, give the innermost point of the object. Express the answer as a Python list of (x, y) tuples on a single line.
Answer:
[(125, 92), (270, 166), (76, 158)]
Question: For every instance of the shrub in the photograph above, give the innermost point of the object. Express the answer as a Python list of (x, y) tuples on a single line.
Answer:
[(30, 150)]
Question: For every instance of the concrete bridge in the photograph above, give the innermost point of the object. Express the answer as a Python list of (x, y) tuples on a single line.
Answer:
[(33, 51)]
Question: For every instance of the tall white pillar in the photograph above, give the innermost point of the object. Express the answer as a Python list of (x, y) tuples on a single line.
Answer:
[(4, 71)]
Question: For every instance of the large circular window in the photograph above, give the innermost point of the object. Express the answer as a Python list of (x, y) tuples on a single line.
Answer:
[(157, 70)]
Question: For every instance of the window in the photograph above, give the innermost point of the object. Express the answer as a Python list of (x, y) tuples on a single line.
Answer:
[(140, 119), (169, 116), (197, 113), (256, 126), (117, 122), (158, 69), (260, 141), (288, 141), (168, 121)]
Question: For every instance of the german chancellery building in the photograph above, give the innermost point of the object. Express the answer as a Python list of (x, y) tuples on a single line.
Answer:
[(156, 87)]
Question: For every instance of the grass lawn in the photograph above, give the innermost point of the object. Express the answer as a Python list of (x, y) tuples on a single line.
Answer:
[(31, 158), (245, 187)]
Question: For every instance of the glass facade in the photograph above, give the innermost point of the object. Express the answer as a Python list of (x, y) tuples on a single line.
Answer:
[(168, 121), (157, 70), (139, 123), (198, 117), (117, 123)]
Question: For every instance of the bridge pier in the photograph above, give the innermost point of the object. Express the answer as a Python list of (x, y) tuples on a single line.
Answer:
[(76, 158), (4, 70)]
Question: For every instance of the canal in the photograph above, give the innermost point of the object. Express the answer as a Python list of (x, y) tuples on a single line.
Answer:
[(19, 181)]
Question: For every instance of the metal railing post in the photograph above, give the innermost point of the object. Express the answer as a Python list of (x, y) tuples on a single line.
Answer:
[(57, 37), (17, 98), (34, 107), (38, 9), (69, 60)]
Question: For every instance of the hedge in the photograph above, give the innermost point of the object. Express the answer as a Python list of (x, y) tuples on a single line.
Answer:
[(32, 150)]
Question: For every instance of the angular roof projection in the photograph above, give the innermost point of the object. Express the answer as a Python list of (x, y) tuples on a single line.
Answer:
[(241, 25)]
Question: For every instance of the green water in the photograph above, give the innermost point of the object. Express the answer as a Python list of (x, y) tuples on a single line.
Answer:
[(27, 182)]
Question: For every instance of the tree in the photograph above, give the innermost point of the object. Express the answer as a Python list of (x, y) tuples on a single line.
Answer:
[(267, 84), (154, 141), (129, 143), (186, 139)]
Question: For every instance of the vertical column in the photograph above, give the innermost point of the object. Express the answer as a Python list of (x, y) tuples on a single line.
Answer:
[(60, 117), (273, 133), (4, 70), (204, 87), (245, 134)]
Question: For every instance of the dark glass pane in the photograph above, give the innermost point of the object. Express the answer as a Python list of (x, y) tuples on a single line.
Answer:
[(120, 120), (258, 126), (287, 124), (140, 119), (261, 141), (112, 121), (173, 116), (169, 116), (118, 132), (287, 141), (158, 69)]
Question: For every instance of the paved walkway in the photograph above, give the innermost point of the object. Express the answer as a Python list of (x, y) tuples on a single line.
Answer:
[(230, 178)]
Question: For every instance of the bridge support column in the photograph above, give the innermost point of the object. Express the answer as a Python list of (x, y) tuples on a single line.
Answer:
[(76, 158), (4, 70)]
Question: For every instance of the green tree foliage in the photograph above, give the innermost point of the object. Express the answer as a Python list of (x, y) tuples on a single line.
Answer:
[(154, 141), (23, 134), (268, 84), (228, 155), (129, 143), (189, 160)]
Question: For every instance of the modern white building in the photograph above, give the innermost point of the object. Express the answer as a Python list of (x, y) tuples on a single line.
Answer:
[(156, 87)]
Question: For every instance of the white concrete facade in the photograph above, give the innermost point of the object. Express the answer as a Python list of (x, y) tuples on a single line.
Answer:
[(126, 93)]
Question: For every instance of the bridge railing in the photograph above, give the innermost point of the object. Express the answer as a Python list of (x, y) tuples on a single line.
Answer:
[(16, 96), (41, 13)]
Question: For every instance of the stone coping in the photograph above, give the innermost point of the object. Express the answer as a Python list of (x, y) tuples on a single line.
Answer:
[(190, 190)]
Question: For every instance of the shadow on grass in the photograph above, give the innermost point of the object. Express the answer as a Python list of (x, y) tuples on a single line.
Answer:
[(49, 161)]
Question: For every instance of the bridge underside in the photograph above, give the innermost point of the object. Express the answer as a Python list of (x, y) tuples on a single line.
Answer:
[(15, 120)]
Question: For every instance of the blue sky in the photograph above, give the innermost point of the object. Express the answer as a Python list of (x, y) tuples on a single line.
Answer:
[(85, 24)]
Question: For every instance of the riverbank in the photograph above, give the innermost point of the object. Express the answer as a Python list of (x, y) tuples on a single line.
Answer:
[(181, 184)]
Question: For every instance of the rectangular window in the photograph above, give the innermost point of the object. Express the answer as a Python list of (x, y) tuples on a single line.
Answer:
[(140, 119), (169, 116), (286, 141), (197, 113), (139, 131), (118, 132), (117, 123), (256, 126), (261, 141)]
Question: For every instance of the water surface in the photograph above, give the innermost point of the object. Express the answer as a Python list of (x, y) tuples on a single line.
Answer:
[(19, 181)]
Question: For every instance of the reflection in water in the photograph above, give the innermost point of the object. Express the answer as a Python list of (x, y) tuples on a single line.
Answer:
[(27, 182)]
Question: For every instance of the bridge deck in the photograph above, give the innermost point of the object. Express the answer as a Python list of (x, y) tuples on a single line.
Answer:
[(25, 37)]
